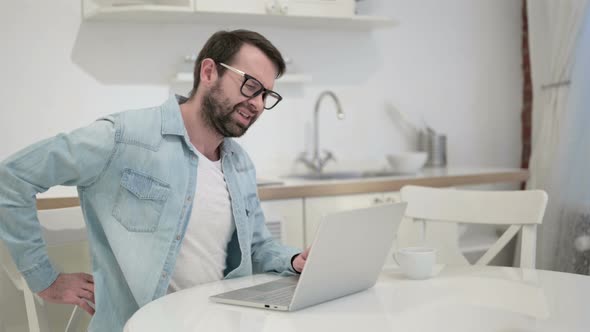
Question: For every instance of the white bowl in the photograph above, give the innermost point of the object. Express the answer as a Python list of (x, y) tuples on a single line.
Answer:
[(407, 162)]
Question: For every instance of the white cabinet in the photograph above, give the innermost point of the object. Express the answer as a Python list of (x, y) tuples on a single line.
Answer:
[(295, 221), (390, 197), (93, 7), (232, 6), (284, 219), (329, 14), (322, 8), (317, 207)]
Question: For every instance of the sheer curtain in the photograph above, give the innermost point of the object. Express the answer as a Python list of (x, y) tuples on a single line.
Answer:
[(560, 160), (573, 169)]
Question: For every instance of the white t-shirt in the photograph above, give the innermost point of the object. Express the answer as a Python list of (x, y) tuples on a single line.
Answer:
[(204, 248)]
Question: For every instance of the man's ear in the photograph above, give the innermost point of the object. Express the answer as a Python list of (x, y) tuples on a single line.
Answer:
[(208, 72)]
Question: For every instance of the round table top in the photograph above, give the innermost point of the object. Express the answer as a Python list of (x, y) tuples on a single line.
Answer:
[(468, 298)]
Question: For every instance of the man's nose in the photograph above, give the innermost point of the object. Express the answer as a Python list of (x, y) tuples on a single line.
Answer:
[(257, 103)]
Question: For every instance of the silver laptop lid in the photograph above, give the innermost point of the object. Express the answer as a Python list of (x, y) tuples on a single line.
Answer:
[(347, 254)]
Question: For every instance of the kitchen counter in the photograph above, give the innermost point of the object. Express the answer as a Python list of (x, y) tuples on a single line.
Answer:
[(59, 197), (431, 177)]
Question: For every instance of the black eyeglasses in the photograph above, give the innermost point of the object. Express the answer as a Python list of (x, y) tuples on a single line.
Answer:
[(252, 87)]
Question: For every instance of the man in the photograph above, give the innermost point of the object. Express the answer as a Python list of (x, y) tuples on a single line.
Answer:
[(169, 198)]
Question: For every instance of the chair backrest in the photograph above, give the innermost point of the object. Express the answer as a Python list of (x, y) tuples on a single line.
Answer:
[(64, 232), (443, 208), (60, 227)]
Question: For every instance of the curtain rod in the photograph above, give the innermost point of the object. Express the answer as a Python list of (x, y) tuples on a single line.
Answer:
[(555, 85)]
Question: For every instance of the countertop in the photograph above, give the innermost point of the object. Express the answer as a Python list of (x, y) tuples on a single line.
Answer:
[(285, 188)]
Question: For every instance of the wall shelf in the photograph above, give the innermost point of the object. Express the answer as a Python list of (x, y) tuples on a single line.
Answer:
[(186, 14), (187, 78)]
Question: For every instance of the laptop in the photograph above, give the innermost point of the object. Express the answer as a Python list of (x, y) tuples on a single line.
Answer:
[(347, 255)]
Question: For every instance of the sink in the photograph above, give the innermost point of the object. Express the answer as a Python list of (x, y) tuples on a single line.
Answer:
[(342, 175)]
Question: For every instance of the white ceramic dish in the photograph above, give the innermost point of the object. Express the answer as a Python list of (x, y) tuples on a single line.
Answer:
[(407, 162)]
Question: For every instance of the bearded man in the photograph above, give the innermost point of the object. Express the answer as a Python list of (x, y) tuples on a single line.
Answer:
[(169, 198)]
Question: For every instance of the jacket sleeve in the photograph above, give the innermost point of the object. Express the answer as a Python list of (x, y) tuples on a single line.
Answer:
[(267, 254), (74, 159)]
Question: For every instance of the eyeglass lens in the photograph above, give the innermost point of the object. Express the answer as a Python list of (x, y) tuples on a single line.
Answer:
[(253, 87)]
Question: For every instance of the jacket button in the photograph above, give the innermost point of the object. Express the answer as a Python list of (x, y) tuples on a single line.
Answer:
[(177, 237)]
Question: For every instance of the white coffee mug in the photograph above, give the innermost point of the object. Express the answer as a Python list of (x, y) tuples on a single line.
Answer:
[(416, 262)]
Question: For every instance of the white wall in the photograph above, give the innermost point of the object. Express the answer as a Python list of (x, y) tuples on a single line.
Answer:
[(456, 63)]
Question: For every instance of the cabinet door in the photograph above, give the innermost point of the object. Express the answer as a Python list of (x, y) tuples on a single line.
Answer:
[(232, 6), (392, 197), (317, 207), (323, 8), (285, 218)]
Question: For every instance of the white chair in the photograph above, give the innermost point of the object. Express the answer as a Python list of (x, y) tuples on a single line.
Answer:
[(62, 228), (433, 215)]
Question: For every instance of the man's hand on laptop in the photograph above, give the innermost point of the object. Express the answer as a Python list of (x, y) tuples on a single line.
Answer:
[(71, 288), (299, 261)]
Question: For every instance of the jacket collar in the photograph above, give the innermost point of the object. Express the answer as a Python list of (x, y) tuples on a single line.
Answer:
[(173, 124)]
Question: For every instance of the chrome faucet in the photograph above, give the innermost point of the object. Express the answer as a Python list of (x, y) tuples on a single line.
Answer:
[(317, 161)]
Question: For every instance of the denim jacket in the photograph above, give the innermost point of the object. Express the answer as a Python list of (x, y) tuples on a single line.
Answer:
[(136, 174)]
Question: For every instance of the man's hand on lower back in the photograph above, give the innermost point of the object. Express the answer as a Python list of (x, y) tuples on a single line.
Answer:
[(299, 261), (71, 288)]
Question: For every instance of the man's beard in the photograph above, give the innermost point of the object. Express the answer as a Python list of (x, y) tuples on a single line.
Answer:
[(217, 111)]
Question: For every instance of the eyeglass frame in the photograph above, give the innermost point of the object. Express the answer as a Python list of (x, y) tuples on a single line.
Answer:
[(257, 93)]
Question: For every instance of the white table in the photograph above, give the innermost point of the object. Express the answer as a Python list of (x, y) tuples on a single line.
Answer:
[(457, 299)]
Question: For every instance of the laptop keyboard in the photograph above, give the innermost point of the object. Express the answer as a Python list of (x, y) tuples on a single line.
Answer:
[(281, 296), (277, 292)]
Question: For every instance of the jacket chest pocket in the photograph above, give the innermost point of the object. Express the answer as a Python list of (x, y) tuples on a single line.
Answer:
[(140, 201)]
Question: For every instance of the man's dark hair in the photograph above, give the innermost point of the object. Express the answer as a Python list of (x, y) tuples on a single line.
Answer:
[(222, 46)]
